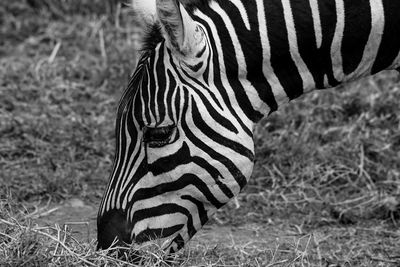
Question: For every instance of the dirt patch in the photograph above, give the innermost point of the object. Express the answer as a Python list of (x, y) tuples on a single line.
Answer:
[(80, 220), (251, 235), (78, 217), (278, 241)]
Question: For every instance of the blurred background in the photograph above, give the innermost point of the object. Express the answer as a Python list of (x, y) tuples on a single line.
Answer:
[(63, 67), (325, 189)]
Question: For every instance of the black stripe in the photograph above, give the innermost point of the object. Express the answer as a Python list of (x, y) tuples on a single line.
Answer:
[(121, 143), (179, 242), (328, 25), (144, 94), (194, 68), (170, 162), (157, 233), (140, 172), (182, 157), (201, 52), (206, 72), (215, 174), (193, 80), (232, 168), (216, 137), (162, 86), (172, 88), (151, 102), (200, 207), (210, 108), (178, 103), (357, 28), (127, 121), (232, 67), (217, 78), (250, 41), (182, 182), (317, 59), (220, 119), (160, 210), (281, 60), (127, 96)]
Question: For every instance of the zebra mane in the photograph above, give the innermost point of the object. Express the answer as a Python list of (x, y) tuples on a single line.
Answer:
[(152, 37), (191, 5)]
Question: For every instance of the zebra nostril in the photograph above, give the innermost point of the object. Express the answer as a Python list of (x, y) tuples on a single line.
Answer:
[(113, 230)]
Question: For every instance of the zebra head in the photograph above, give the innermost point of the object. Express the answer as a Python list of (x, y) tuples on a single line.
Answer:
[(184, 148)]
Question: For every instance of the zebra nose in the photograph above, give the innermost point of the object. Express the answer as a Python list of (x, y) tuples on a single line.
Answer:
[(113, 230)]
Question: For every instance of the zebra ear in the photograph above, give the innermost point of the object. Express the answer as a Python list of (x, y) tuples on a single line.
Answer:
[(146, 10), (182, 33)]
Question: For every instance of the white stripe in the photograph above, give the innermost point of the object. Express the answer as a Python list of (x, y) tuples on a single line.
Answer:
[(336, 49), (308, 79), (224, 78), (152, 121), (126, 148), (242, 162), (167, 61), (143, 104), (243, 12), (129, 176), (175, 112), (396, 63), (250, 91), (210, 64), (316, 21), (157, 89), (178, 91), (167, 85), (374, 40), (161, 222), (277, 88), (109, 205), (110, 191)]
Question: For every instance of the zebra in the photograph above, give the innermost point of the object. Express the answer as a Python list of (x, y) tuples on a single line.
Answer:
[(209, 70)]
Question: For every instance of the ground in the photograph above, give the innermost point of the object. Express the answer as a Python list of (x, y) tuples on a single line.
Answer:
[(324, 192)]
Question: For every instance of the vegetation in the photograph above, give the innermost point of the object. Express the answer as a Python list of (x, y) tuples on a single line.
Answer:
[(325, 189)]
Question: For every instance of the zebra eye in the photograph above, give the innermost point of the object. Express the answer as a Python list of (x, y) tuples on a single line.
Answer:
[(158, 136)]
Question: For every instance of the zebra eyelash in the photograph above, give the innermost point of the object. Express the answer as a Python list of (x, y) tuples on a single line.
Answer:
[(159, 136)]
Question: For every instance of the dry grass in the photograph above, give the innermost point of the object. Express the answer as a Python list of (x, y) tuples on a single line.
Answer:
[(325, 189), (23, 243)]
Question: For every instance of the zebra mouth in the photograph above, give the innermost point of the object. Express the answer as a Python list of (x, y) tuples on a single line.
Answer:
[(113, 230)]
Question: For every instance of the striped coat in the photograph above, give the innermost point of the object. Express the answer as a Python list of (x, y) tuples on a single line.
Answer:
[(208, 72)]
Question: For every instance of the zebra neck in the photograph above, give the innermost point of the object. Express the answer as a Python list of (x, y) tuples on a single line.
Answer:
[(279, 50), (310, 47)]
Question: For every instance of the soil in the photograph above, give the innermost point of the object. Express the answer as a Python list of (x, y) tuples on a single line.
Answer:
[(80, 220), (78, 217), (329, 245)]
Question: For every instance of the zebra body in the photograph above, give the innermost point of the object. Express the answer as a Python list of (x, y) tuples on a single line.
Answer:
[(208, 72)]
